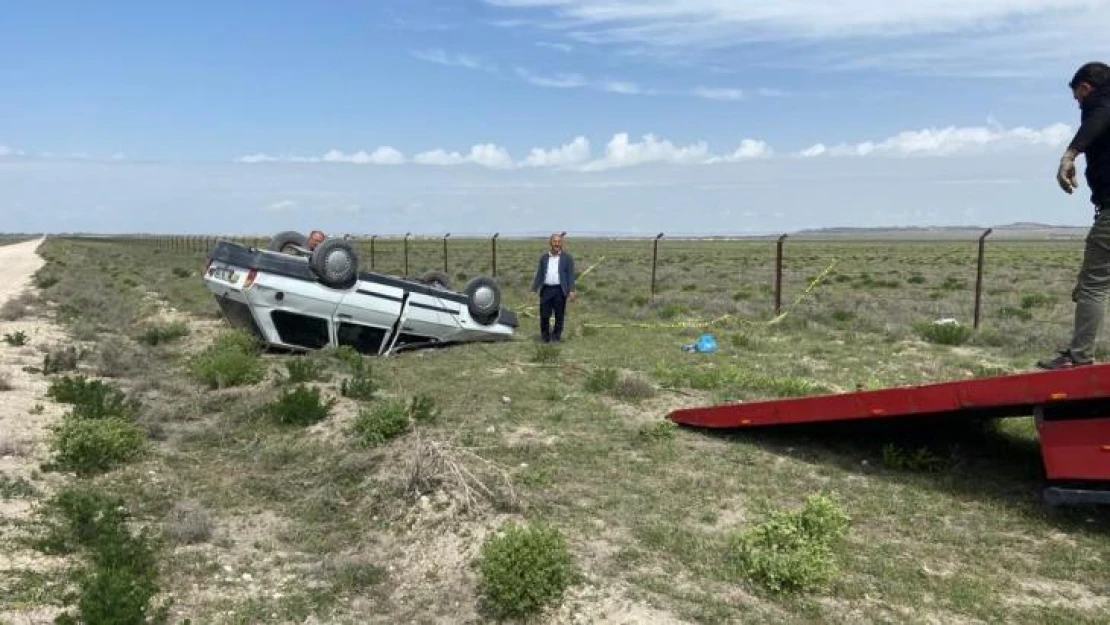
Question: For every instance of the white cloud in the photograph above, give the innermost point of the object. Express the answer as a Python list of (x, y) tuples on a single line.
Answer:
[(281, 206), (748, 148), (575, 80), (488, 155), (950, 141), (258, 157), (625, 87), (556, 81), (621, 151), (719, 94), (441, 57), (574, 153), (772, 195), (988, 36), (833, 18), (814, 150), (384, 155), (6, 151), (561, 47)]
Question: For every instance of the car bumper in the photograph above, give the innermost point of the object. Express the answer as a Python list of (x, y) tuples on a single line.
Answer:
[(508, 318)]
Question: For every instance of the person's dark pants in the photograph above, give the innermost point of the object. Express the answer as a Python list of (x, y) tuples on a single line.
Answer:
[(552, 300), (1091, 289)]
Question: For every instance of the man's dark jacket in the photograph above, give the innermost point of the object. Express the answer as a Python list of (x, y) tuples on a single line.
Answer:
[(1093, 140), (566, 272)]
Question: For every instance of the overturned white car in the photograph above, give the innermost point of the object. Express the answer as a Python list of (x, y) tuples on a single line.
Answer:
[(293, 297)]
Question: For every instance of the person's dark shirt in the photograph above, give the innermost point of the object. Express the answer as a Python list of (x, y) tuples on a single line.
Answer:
[(1093, 140)]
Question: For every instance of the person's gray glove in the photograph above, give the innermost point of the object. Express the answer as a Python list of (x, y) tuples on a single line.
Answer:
[(1065, 175)]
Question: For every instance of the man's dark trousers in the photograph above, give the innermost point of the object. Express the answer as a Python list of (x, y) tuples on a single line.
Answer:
[(552, 300)]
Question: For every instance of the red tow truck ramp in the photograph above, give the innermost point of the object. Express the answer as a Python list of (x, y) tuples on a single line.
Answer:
[(1071, 408)]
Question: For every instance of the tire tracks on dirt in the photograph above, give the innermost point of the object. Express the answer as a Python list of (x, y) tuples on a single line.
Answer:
[(25, 419)]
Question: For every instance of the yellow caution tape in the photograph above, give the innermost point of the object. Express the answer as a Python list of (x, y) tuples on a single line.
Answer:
[(527, 310), (703, 324)]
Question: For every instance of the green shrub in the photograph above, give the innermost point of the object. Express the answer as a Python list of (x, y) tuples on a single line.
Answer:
[(159, 334), (300, 405), (601, 380), (944, 333), (118, 576), (792, 550), (1037, 300), (631, 387), (16, 488), (546, 353), (422, 409), (1011, 312), (92, 399), (91, 446), (920, 459), (382, 423), (231, 361), (17, 339), (361, 384), (304, 369), (44, 279), (658, 431), (524, 569), (238, 340), (60, 359)]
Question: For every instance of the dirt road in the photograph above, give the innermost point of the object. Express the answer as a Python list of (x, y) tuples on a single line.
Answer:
[(25, 415), (18, 262)]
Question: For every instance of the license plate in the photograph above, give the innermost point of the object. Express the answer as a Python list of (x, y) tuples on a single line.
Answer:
[(226, 273)]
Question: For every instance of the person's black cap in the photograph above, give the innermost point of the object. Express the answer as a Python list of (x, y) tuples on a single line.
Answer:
[(1094, 73)]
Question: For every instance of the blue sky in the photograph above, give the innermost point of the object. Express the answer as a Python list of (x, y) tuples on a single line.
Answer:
[(534, 115)]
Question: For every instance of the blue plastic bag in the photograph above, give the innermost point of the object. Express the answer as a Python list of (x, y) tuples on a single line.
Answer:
[(705, 344)]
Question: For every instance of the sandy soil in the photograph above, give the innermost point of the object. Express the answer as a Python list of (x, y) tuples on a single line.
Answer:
[(25, 414)]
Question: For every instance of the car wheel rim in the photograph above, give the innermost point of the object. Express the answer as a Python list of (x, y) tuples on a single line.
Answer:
[(337, 264), (484, 298)]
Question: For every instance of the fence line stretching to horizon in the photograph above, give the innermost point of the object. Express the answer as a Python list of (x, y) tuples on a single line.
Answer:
[(790, 262)]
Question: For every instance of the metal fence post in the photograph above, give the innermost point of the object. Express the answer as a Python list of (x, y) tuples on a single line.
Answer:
[(778, 274), (654, 259), (407, 235), (372, 237), (979, 277), (493, 246), (445, 251)]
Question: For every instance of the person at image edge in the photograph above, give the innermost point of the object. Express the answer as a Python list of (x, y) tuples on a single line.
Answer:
[(1090, 86)]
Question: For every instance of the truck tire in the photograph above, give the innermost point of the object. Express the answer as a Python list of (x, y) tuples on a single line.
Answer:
[(335, 263), (283, 242), (483, 299), (436, 279)]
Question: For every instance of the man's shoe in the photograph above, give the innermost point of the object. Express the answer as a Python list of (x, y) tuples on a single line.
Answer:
[(1063, 360)]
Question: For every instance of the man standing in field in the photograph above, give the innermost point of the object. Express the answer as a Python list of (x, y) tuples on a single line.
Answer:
[(554, 281), (1091, 88)]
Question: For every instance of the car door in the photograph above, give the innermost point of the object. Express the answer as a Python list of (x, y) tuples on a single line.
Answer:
[(368, 315), (298, 312)]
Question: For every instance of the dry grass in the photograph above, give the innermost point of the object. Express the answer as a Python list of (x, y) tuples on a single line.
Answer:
[(253, 508)]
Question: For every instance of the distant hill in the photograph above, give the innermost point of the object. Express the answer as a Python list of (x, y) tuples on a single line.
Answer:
[(1016, 230)]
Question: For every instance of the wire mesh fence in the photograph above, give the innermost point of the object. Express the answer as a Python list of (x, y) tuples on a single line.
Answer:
[(976, 281)]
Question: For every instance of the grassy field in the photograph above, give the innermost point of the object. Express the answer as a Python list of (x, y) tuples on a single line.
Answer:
[(275, 488)]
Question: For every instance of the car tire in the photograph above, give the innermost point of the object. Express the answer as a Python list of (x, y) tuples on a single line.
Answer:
[(483, 299), (436, 279), (283, 242), (335, 263)]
